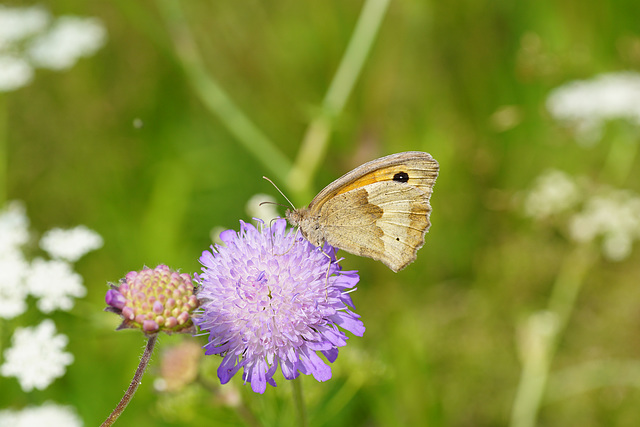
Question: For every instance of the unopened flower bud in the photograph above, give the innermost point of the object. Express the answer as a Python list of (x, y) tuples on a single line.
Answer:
[(154, 300)]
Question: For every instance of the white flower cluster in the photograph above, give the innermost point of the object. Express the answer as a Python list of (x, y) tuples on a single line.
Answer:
[(588, 104), (615, 216), (14, 233), (592, 211), (36, 356), (30, 37), (53, 282), (554, 192), (49, 414), (70, 245)]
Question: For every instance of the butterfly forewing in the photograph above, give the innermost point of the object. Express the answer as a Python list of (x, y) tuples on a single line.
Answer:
[(420, 168), (378, 210)]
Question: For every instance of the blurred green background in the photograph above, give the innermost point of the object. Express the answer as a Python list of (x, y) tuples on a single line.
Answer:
[(465, 81)]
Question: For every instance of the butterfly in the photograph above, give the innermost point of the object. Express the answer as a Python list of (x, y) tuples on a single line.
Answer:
[(378, 210)]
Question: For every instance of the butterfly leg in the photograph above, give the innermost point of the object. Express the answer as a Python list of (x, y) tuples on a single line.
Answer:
[(326, 278), (290, 247)]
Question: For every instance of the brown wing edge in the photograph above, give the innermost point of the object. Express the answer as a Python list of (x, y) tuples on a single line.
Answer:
[(360, 171)]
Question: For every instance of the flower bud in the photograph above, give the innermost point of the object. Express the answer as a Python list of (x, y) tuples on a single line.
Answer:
[(154, 300)]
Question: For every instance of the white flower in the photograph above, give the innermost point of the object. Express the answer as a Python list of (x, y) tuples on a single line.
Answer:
[(15, 72), (13, 291), (14, 228), (18, 23), (615, 216), (587, 104), (49, 414), (554, 192), (36, 356), (14, 233), (54, 283), (72, 244), (29, 38), (617, 246), (265, 212), (70, 38)]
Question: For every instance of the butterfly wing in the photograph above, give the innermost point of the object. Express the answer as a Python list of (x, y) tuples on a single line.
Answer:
[(384, 220), (420, 170)]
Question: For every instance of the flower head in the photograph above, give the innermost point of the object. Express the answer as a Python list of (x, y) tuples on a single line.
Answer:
[(614, 215), (70, 38), (154, 299), (15, 72), (554, 192), (178, 366), (588, 104), (13, 292), (14, 227), (36, 356), (49, 414), (70, 245), (30, 37), (270, 298), (14, 232), (19, 23), (588, 211), (55, 284)]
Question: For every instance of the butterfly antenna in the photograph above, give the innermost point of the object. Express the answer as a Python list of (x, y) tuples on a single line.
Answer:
[(273, 203), (279, 191)]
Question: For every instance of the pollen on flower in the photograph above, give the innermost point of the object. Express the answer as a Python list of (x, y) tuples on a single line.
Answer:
[(154, 300)]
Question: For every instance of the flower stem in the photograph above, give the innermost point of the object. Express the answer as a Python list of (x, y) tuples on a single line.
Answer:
[(542, 333), (298, 401), (240, 406), (621, 158), (316, 139), (4, 150), (216, 99), (135, 382)]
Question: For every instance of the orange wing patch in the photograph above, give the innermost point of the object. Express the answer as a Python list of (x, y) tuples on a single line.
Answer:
[(379, 175)]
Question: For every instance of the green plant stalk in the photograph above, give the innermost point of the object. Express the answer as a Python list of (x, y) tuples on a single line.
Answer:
[(4, 150), (298, 176), (620, 159), (341, 398), (216, 99), (537, 363), (316, 139), (241, 408), (533, 377), (592, 375), (135, 382), (298, 401)]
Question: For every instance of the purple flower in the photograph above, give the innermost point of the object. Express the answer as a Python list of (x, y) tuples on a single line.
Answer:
[(269, 298), (153, 300)]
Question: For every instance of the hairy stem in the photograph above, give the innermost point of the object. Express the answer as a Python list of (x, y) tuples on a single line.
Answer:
[(135, 382)]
